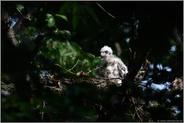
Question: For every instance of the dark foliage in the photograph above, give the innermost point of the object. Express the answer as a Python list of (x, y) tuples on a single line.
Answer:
[(50, 51)]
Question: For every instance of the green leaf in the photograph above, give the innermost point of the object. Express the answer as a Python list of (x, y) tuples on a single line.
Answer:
[(75, 46), (51, 22), (48, 16), (92, 13), (70, 53), (90, 55), (62, 52), (75, 19), (66, 32), (20, 7), (62, 16)]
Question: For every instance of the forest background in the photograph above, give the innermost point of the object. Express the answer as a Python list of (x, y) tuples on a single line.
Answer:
[(49, 52)]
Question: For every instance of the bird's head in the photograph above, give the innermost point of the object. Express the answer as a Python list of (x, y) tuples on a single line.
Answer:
[(106, 52)]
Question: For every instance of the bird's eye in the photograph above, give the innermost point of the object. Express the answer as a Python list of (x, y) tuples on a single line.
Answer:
[(106, 52)]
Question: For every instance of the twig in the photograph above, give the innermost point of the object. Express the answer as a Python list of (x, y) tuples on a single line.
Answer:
[(42, 113), (136, 109), (92, 70), (105, 10), (74, 65), (108, 78), (69, 70), (65, 69)]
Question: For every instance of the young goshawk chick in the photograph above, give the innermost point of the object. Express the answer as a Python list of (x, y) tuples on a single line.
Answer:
[(113, 67)]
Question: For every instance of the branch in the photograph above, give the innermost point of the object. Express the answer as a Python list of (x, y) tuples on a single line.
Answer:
[(65, 69), (105, 10), (138, 58), (42, 112), (112, 16), (136, 110), (108, 78), (74, 65)]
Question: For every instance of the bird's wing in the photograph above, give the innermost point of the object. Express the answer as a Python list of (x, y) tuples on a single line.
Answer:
[(122, 68)]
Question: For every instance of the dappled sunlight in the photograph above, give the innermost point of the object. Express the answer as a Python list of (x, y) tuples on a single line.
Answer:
[(50, 59)]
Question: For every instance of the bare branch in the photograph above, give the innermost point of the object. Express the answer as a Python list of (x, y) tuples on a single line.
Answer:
[(105, 10), (74, 65)]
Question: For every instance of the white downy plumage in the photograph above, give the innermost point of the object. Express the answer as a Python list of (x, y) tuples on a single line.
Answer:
[(114, 68)]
